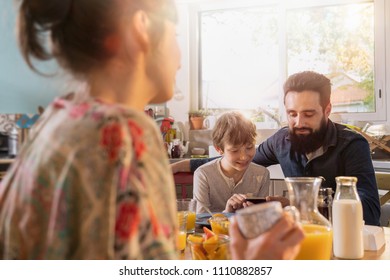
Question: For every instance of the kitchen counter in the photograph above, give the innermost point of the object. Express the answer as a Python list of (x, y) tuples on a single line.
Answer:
[(381, 165)]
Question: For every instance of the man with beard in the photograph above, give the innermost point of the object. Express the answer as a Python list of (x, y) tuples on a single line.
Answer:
[(313, 145)]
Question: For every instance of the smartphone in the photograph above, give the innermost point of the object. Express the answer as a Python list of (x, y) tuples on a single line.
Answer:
[(256, 200)]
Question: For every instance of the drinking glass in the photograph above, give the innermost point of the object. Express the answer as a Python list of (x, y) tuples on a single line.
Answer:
[(188, 205), (256, 219), (182, 234)]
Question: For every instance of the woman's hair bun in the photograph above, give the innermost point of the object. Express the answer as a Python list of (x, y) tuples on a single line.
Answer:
[(47, 13), (35, 18)]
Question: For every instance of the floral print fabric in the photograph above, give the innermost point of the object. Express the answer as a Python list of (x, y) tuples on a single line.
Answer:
[(92, 182)]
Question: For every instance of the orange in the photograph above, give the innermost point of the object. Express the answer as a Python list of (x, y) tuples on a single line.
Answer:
[(211, 244), (208, 233), (195, 238)]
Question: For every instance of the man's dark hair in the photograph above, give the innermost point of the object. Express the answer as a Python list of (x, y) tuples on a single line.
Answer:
[(309, 80)]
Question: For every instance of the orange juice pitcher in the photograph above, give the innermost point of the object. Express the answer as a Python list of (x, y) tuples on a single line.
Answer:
[(303, 193)]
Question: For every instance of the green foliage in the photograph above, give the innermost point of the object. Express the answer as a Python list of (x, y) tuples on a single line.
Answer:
[(341, 38), (368, 85)]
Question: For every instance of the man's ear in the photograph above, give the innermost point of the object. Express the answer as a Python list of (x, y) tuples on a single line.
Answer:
[(141, 23), (328, 110)]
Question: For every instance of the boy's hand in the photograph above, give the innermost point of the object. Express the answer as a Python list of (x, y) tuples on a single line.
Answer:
[(237, 201)]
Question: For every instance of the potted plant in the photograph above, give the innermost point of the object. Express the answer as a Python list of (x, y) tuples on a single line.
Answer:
[(196, 118)]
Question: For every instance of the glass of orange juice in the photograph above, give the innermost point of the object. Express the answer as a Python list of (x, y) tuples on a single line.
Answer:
[(182, 234), (188, 205)]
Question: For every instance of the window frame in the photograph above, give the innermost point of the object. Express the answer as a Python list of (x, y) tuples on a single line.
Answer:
[(381, 14)]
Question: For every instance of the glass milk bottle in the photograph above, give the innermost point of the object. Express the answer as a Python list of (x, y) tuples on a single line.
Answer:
[(303, 194), (347, 220)]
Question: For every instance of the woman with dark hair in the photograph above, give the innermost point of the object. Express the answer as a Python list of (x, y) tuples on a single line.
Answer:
[(93, 181)]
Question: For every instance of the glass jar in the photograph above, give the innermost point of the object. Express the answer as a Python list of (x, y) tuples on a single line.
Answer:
[(303, 193), (347, 220)]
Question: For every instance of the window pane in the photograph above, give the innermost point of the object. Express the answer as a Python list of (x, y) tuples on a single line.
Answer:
[(239, 58), (242, 61), (337, 41)]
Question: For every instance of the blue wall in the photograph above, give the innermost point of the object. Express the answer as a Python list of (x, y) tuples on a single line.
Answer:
[(22, 90)]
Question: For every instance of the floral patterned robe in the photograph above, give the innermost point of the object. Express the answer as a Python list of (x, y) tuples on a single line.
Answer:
[(92, 182)]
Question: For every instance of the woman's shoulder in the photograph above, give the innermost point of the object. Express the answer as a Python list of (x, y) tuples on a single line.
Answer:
[(112, 117), (89, 124), (81, 105)]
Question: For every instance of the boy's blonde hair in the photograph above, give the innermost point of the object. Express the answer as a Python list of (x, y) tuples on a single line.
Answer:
[(234, 129)]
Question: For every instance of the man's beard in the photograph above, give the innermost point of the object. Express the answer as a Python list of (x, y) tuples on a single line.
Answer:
[(308, 143)]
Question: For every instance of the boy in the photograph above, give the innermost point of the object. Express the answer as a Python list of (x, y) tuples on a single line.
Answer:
[(223, 184)]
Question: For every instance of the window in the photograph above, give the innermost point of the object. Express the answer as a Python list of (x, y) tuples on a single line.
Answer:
[(247, 50)]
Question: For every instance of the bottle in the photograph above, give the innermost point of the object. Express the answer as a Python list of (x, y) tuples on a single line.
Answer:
[(347, 217), (322, 204)]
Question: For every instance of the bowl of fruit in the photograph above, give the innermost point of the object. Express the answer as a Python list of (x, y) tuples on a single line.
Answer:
[(209, 245)]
